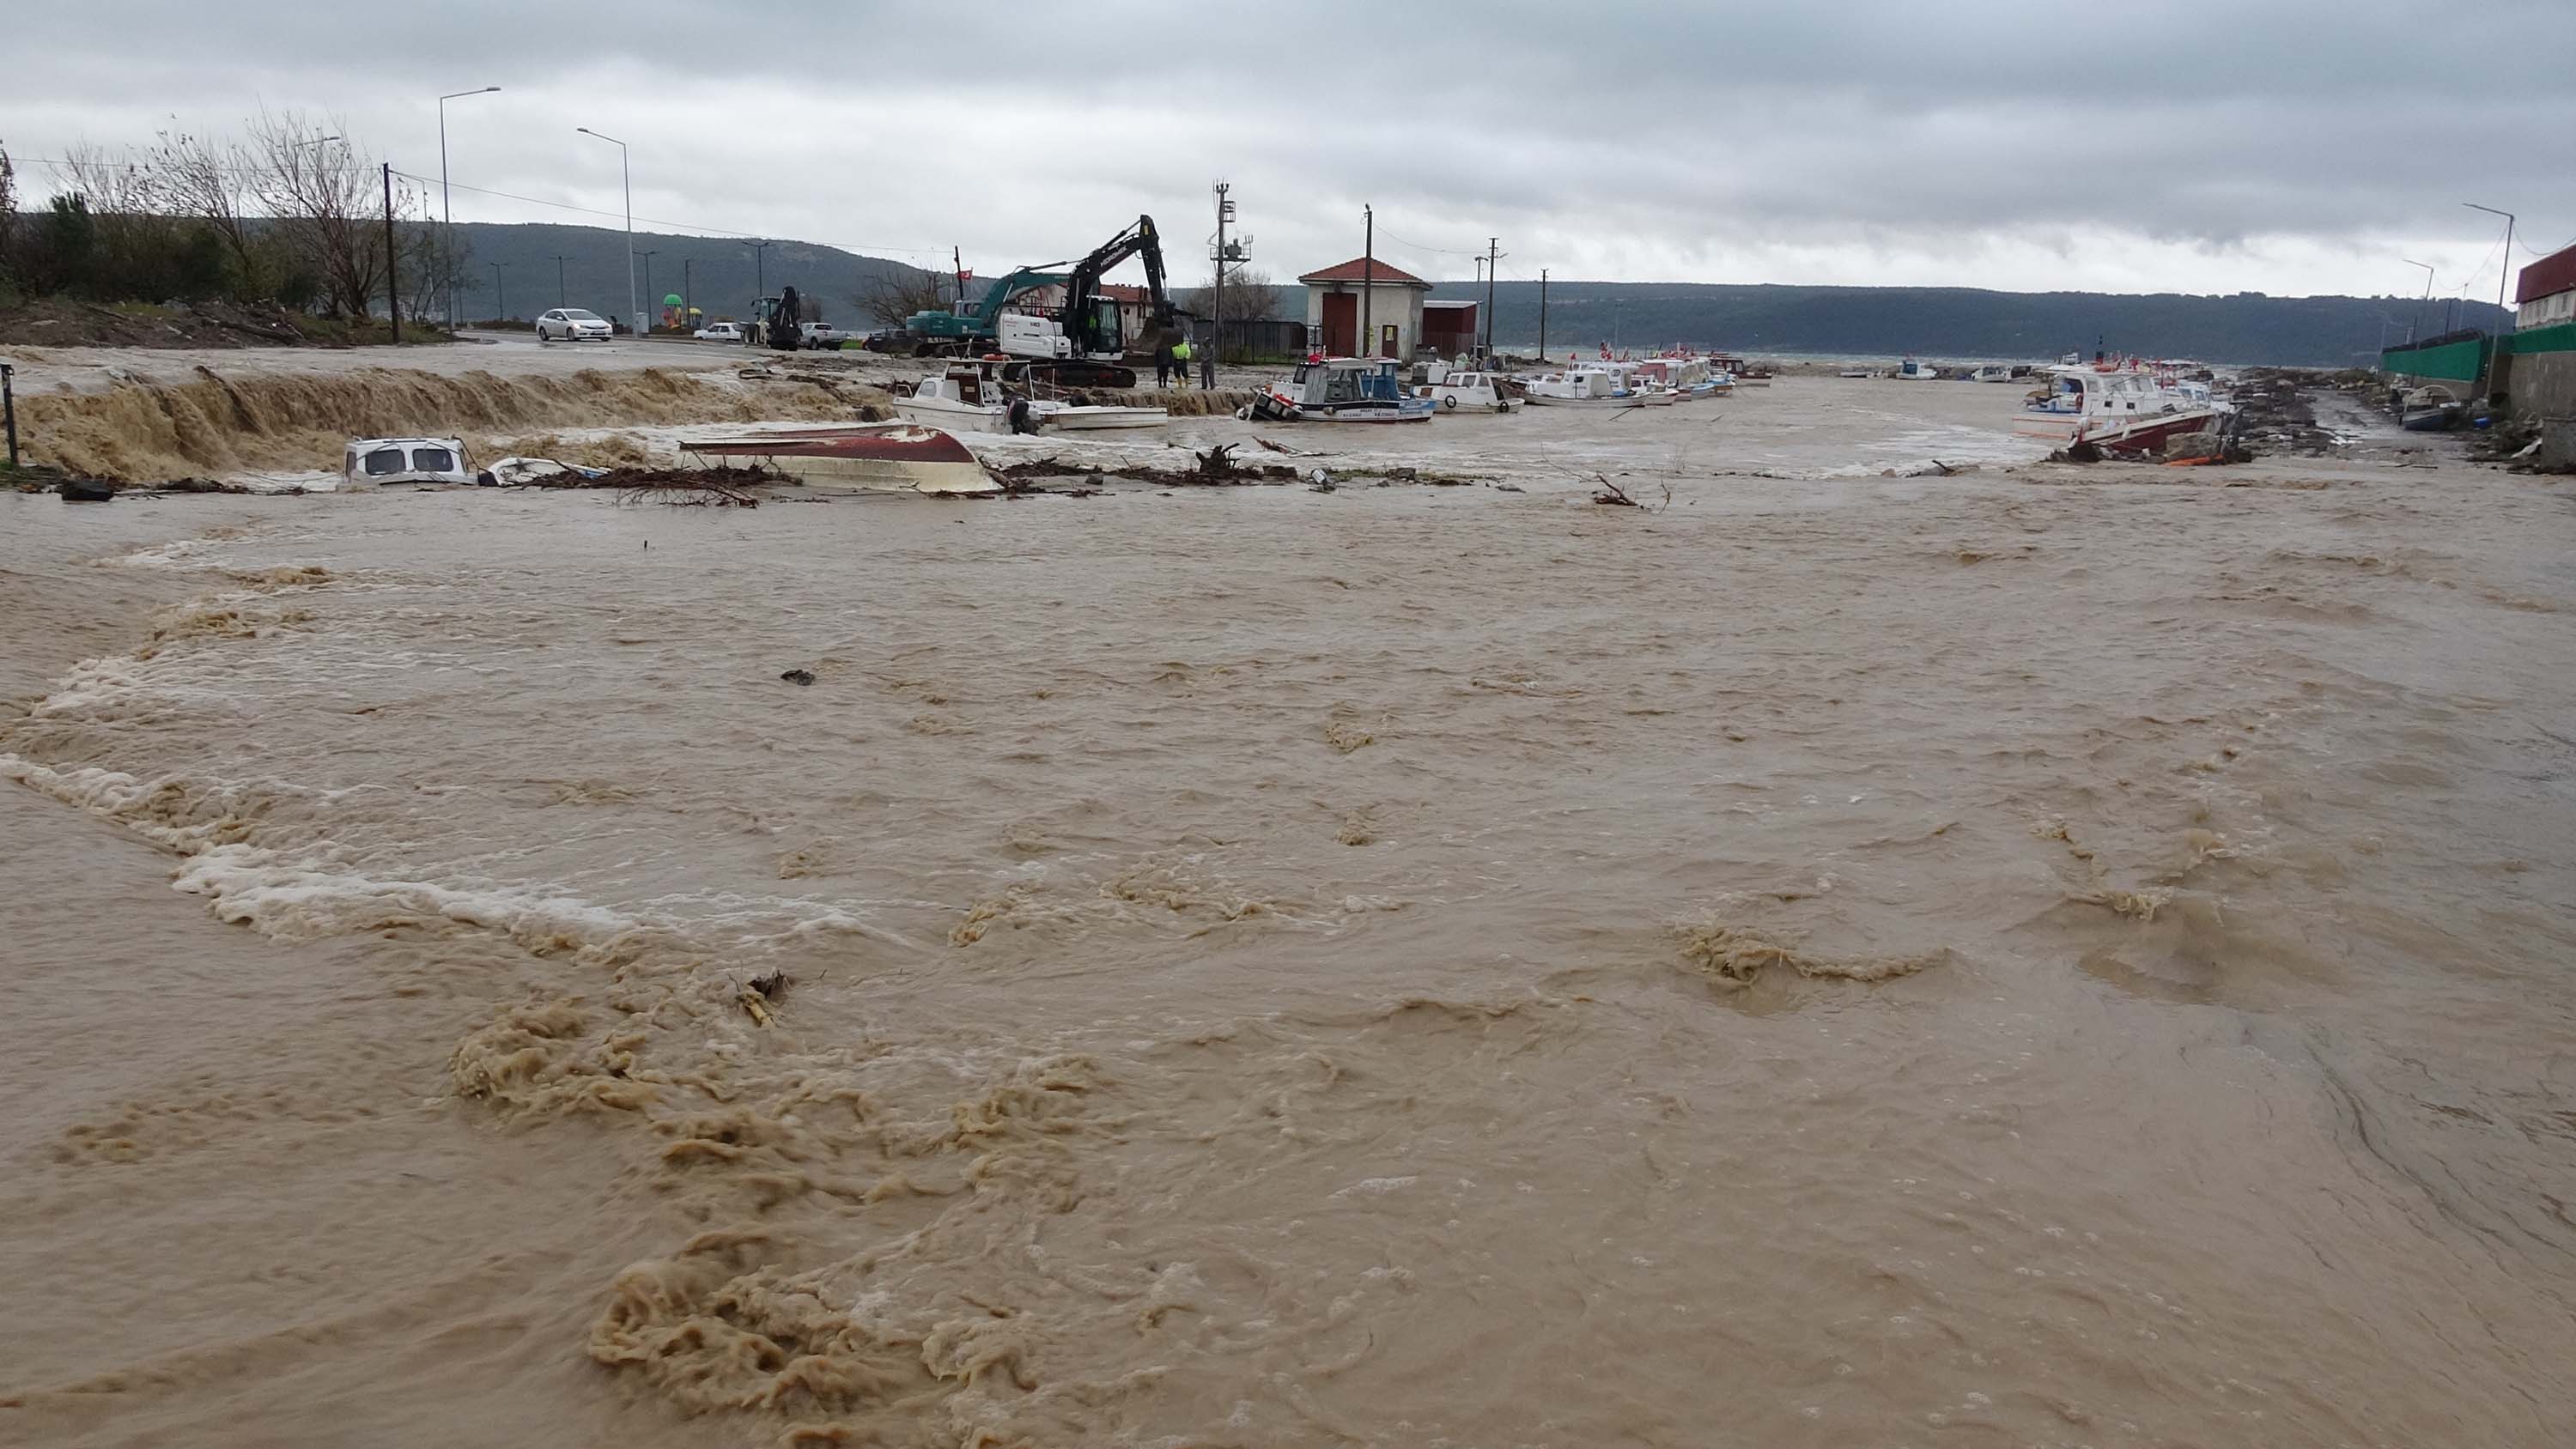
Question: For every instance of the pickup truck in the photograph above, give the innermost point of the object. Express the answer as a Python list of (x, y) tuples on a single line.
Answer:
[(824, 337)]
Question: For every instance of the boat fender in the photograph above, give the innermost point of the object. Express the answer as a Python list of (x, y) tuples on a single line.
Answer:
[(1450, 403)]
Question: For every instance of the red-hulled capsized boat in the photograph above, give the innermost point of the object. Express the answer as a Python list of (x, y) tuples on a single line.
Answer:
[(854, 458)]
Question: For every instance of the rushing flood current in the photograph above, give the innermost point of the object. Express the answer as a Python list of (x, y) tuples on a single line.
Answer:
[(2037, 959)]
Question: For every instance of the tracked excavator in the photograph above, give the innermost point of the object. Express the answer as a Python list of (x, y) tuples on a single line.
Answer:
[(1082, 344)]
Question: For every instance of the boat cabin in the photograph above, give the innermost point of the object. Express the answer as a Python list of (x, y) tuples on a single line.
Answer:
[(1338, 380)]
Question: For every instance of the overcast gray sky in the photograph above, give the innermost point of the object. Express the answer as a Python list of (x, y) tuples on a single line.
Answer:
[(2283, 146)]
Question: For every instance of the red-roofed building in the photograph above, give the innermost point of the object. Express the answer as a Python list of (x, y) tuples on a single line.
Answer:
[(1364, 299)]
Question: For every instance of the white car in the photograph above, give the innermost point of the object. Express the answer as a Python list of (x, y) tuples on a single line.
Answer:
[(571, 324), (720, 332)]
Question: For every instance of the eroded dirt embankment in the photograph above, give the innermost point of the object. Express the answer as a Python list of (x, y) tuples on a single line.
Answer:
[(209, 425)]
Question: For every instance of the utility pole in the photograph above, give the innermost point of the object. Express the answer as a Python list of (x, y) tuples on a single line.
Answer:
[(1368, 285), (688, 299), (393, 281), (9, 412), (500, 304), (760, 269), (650, 301), (1224, 213), (559, 280), (1542, 314), (1491, 256)]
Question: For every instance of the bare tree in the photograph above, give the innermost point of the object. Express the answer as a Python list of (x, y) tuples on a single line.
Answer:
[(8, 212), (326, 203), (211, 181), (895, 295), (1249, 294)]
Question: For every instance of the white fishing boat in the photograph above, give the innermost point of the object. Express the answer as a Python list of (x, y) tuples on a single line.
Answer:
[(1912, 371), (855, 458), (1340, 390), (1474, 392), (1628, 381), (1578, 388), (977, 398), (1856, 372), (1992, 372), (2118, 409)]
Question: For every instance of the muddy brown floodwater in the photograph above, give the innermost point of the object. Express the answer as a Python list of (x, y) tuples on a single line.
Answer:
[(2048, 957)]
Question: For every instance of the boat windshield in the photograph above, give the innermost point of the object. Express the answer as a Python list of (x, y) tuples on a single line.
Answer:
[(1344, 385)]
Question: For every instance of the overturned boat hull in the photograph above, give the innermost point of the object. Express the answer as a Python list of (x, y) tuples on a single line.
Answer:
[(866, 458)]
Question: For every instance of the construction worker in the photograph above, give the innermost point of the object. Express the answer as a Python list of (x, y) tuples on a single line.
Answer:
[(1163, 363), (1207, 367), (1181, 361)]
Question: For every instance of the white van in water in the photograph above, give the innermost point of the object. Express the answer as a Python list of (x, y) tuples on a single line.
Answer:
[(370, 462)]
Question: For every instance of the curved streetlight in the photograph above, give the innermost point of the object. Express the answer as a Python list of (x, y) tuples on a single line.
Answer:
[(634, 316), (447, 204), (2507, 269), (2418, 324)]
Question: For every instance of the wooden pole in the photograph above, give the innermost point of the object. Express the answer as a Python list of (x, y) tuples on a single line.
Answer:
[(9, 412), (1368, 285)]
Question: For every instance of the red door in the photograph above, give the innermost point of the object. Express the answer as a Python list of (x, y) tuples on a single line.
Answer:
[(1341, 324), (1390, 341)]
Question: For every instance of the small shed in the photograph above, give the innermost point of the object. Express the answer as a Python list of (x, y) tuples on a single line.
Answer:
[(1451, 328), (1360, 294)]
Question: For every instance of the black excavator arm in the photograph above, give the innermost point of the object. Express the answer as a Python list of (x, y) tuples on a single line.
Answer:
[(1082, 286)]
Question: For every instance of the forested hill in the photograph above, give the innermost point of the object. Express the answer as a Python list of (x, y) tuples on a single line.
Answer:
[(723, 275), (720, 277), (1939, 322)]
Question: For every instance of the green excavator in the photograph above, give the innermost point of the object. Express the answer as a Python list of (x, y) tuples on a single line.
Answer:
[(1082, 344)]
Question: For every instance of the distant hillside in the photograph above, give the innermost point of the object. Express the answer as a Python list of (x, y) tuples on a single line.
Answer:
[(1937, 322), (720, 278)]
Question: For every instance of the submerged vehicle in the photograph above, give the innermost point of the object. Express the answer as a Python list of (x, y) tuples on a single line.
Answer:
[(371, 462), (1340, 390)]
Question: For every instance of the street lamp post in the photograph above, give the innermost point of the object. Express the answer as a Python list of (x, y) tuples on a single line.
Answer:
[(447, 206), (2417, 325), (627, 176), (500, 305), (648, 285), (2507, 269)]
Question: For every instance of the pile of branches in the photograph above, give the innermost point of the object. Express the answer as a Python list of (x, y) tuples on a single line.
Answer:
[(679, 487)]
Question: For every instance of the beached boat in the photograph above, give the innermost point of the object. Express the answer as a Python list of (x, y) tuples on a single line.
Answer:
[(2429, 410), (977, 397), (1578, 389), (1340, 390), (854, 458), (1465, 391), (1912, 371), (1992, 372), (1856, 372), (2120, 410)]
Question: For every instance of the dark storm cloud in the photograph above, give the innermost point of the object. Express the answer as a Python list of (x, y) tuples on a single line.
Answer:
[(2184, 145)]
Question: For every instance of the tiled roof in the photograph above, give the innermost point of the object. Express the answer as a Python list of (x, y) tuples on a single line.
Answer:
[(1360, 269)]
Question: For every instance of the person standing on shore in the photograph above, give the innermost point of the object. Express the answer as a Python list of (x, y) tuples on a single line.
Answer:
[(1207, 366), (1163, 363), (1181, 362)]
